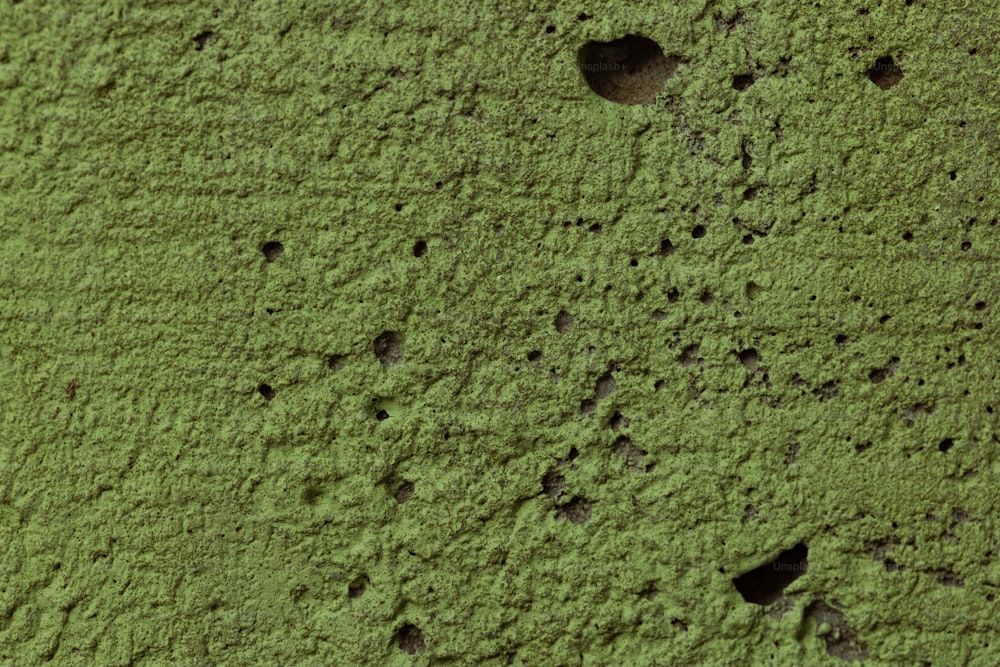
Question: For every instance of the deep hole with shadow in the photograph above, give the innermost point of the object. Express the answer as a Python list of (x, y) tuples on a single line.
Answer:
[(766, 584), (630, 70)]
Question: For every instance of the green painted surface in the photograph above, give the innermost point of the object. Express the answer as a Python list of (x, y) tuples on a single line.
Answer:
[(157, 509)]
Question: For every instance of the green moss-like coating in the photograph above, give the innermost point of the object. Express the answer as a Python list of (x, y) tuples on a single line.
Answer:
[(454, 501)]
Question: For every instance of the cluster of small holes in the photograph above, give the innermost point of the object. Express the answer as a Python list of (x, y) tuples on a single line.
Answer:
[(388, 346), (634, 69), (577, 509), (272, 251)]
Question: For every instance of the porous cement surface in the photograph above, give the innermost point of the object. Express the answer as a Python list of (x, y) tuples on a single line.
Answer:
[(344, 333)]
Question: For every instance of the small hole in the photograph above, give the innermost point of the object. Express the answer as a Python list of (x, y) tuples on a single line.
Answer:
[(420, 248), (411, 639), (563, 322), (272, 250), (749, 358), (966, 245), (357, 589), (698, 232), (577, 510), (549, 29), (885, 73), (742, 82), (553, 484), (908, 236), (953, 175), (534, 356), (202, 39), (666, 248), (634, 262), (266, 391), (398, 207), (748, 239), (381, 415), (388, 348), (946, 444), (404, 492)]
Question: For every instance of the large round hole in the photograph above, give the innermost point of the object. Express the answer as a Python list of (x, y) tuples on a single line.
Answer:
[(630, 70)]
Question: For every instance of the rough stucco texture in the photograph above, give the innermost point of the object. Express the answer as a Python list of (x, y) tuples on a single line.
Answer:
[(368, 334)]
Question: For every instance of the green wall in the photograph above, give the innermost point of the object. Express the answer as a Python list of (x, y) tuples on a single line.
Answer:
[(544, 435)]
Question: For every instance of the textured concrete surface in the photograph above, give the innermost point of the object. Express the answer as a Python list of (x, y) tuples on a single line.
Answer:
[(369, 334)]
